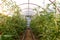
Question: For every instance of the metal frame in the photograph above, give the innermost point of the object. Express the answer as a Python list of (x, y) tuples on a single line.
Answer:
[(31, 8)]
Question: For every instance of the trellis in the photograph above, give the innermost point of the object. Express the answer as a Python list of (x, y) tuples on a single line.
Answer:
[(38, 6)]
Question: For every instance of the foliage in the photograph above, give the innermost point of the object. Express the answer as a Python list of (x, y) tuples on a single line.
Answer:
[(12, 23), (12, 26), (46, 27)]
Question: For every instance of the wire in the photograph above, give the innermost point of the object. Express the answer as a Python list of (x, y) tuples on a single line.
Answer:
[(43, 2), (28, 6)]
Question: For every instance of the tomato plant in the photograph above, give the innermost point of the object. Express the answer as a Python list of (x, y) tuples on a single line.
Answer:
[(45, 28)]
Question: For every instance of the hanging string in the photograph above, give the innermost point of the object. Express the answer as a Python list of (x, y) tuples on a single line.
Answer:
[(43, 2), (28, 6), (52, 1)]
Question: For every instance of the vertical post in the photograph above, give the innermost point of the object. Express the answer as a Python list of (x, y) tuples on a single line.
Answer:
[(28, 18), (28, 6)]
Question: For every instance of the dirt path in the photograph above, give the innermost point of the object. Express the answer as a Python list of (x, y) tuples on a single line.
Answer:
[(29, 35)]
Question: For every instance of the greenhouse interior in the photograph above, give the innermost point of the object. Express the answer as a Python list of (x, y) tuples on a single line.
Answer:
[(29, 19)]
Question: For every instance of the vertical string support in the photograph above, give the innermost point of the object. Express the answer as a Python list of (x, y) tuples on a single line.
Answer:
[(28, 6)]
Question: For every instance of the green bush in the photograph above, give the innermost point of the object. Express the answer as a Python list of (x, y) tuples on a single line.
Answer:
[(45, 27), (12, 26)]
